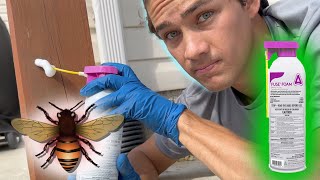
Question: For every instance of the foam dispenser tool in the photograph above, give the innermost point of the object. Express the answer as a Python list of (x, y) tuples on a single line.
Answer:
[(286, 105), (110, 146)]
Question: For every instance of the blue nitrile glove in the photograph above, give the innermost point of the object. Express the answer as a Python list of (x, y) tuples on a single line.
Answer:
[(136, 102), (126, 171)]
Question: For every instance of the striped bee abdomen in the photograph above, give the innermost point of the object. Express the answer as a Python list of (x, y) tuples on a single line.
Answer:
[(68, 152)]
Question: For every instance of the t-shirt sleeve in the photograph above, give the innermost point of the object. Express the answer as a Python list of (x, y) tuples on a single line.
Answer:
[(309, 35), (166, 145), (302, 19), (312, 61), (169, 148), (199, 101)]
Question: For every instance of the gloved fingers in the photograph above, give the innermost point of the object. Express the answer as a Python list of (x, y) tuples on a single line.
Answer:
[(126, 171), (91, 89), (111, 81), (112, 100), (124, 70), (126, 109)]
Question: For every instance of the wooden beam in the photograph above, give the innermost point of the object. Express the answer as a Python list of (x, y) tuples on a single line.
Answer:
[(56, 30)]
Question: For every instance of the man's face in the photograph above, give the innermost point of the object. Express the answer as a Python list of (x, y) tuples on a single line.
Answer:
[(211, 39)]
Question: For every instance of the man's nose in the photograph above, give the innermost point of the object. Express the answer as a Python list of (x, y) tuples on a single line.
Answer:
[(196, 46)]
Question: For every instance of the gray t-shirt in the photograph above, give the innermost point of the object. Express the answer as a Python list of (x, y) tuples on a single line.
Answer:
[(286, 19)]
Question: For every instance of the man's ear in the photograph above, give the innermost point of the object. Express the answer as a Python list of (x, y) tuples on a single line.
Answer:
[(252, 6)]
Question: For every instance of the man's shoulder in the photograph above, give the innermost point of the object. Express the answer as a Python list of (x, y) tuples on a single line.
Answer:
[(297, 16), (293, 6)]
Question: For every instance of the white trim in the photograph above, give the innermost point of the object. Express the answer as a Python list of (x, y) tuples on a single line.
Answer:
[(109, 31), (140, 44), (3, 12)]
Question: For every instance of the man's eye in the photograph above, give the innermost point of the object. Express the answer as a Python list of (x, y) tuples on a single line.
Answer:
[(205, 16), (172, 35)]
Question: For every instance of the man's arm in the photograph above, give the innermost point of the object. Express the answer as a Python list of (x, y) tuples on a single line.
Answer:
[(148, 161), (225, 154)]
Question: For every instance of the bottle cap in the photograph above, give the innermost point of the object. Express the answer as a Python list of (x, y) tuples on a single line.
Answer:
[(95, 72), (282, 48)]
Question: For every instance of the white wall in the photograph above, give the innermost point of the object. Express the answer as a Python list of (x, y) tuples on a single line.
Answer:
[(3, 11), (143, 50), (145, 54), (272, 1)]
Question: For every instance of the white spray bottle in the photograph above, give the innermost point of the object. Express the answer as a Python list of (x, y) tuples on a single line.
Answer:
[(110, 146), (287, 103)]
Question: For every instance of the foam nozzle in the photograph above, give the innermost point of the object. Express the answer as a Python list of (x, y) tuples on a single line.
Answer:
[(46, 66)]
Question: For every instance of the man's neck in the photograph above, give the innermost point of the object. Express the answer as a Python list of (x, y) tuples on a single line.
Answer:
[(252, 81)]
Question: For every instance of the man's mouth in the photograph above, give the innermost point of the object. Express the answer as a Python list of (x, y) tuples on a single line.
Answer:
[(207, 68)]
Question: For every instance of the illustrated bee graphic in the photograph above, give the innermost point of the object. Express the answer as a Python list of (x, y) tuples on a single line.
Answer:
[(65, 133)]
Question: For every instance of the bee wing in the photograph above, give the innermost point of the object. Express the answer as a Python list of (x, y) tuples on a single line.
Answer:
[(36, 130), (100, 128)]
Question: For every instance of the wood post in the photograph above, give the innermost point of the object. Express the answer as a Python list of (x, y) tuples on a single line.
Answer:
[(56, 30)]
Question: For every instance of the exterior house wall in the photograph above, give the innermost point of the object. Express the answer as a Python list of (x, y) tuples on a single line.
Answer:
[(144, 53)]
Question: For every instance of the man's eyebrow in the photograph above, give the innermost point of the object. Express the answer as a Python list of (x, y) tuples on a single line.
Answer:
[(191, 9), (194, 6), (163, 25)]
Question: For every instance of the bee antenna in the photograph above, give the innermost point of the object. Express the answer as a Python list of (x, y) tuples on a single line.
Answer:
[(81, 104), (55, 106)]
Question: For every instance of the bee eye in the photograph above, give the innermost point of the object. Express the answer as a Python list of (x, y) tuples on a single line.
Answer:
[(73, 114), (59, 115)]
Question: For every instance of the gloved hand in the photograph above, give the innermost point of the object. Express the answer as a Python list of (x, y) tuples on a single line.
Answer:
[(126, 171), (136, 102)]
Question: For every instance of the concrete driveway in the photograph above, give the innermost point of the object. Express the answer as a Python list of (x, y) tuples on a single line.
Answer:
[(13, 163), (13, 166)]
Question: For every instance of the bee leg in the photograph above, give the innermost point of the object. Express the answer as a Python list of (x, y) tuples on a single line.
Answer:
[(45, 148), (47, 115), (50, 157), (89, 144), (84, 152), (86, 114)]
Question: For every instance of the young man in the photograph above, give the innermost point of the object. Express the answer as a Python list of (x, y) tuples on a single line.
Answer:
[(220, 44)]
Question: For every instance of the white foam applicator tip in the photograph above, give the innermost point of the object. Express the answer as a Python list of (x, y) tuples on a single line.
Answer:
[(47, 67)]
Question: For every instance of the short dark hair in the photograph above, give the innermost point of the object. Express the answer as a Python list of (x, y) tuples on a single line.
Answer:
[(263, 5)]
